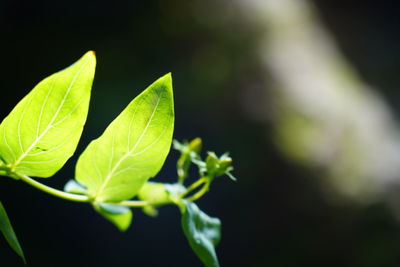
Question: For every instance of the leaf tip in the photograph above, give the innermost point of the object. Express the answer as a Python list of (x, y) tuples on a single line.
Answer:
[(123, 228), (90, 55), (164, 83), (167, 77), (91, 52)]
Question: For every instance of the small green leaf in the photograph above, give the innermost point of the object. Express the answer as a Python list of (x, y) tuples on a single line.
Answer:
[(203, 233), (74, 187), (219, 166), (132, 149), (150, 211), (43, 130), (158, 194), (9, 234), (120, 216), (154, 193), (174, 191)]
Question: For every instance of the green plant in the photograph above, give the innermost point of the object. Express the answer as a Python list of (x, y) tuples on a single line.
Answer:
[(43, 130)]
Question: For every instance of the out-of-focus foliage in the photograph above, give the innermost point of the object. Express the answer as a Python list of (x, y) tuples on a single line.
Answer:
[(326, 117)]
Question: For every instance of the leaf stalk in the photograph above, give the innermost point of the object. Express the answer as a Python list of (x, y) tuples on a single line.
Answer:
[(52, 191)]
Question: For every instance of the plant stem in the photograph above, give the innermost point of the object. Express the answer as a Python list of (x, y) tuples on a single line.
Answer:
[(133, 203), (73, 197), (52, 191), (181, 176), (194, 186), (200, 193)]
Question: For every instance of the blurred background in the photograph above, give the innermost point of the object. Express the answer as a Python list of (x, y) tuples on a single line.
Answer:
[(303, 93)]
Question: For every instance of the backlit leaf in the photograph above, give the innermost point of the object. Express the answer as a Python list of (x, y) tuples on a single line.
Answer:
[(132, 149), (43, 130)]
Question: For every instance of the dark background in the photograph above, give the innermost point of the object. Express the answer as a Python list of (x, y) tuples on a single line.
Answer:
[(274, 215)]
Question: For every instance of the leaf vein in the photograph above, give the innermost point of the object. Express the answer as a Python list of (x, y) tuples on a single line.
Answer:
[(8, 146), (55, 147), (43, 105), (20, 120)]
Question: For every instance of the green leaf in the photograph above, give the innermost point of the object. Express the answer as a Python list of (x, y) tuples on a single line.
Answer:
[(132, 149), (154, 193), (43, 130), (158, 194), (150, 211), (75, 188), (203, 233), (215, 166), (9, 234), (120, 216), (174, 191)]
